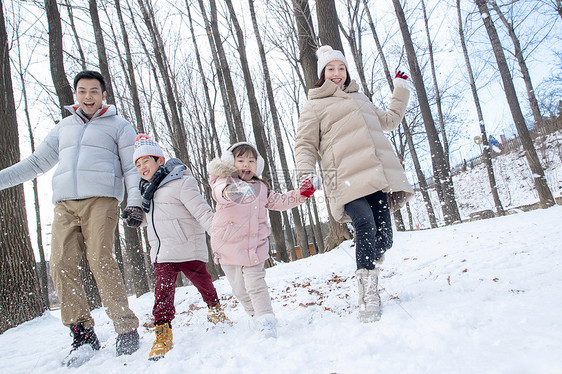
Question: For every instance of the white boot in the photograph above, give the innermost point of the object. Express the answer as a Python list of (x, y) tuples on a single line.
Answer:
[(369, 298), (267, 325)]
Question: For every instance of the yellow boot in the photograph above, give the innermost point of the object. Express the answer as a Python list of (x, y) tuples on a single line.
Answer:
[(216, 315), (163, 342)]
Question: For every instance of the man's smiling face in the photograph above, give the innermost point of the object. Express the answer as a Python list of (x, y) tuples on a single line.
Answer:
[(89, 96)]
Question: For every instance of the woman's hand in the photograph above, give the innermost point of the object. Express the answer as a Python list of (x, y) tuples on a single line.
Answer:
[(310, 184), (401, 74)]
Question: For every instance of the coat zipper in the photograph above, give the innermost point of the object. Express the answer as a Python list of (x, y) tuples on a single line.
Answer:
[(155, 232)]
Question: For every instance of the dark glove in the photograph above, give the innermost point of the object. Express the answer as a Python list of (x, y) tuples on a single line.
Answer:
[(401, 74), (133, 216)]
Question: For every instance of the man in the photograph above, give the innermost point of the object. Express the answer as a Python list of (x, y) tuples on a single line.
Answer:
[(94, 151)]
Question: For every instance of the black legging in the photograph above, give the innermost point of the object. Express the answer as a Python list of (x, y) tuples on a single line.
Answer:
[(373, 228)]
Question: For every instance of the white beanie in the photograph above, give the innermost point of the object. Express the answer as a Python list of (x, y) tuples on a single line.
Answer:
[(145, 146), (326, 55)]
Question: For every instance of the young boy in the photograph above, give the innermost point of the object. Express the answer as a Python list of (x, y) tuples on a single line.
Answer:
[(177, 217)]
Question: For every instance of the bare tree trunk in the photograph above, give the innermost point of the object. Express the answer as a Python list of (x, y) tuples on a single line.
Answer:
[(220, 76), (210, 107), (225, 68), (100, 45), (318, 227), (328, 24), (440, 169), (43, 275), (62, 87), (353, 37), (131, 80), (156, 80), (545, 196), (522, 65), (409, 140), (436, 87), (20, 292), (178, 136), (76, 38), (487, 151), (307, 41)]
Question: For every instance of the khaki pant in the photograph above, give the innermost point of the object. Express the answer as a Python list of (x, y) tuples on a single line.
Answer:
[(88, 224), (249, 287)]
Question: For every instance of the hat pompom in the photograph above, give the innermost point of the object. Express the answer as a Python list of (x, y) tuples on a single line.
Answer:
[(141, 136), (325, 48)]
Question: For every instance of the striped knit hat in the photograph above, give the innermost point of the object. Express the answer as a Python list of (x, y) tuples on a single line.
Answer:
[(145, 146)]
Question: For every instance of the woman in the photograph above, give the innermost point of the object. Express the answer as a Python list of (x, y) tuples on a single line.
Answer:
[(363, 179)]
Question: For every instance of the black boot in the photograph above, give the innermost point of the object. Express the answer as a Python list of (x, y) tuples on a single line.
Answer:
[(84, 343), (83, 336), (127, 343)]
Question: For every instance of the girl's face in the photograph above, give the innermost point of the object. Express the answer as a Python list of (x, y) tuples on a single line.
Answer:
[(246, 164), (147, 166), (336, 72)]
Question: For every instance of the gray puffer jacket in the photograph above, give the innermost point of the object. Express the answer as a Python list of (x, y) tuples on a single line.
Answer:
[(94, 157)]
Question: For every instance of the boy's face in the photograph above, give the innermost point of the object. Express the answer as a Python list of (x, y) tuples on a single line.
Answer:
[(90, 96), (246, 165), (147, 166)]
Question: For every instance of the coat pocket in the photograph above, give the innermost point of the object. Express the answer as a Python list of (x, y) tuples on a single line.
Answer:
[(229, 231), (179, 230)]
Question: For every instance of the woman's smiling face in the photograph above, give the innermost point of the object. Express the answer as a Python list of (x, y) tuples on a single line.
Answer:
[(336, 72)]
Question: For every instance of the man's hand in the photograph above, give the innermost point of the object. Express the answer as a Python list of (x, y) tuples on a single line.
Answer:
[(133, 216)]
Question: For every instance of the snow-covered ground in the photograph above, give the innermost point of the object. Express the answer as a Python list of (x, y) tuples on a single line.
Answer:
[(478, 297), (513, 177)]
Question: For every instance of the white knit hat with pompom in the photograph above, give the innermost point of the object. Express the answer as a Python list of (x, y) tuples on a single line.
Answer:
[(327, 54), (145, 146)]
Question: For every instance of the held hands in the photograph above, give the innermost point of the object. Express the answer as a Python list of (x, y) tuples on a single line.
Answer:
[(237, 191), (401, 74), (133, 216), (310, 184)]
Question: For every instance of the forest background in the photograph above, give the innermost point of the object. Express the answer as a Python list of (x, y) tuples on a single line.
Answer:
[(198, 75)]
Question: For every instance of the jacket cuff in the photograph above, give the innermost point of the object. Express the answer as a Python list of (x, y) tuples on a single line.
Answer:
[(402, 83)]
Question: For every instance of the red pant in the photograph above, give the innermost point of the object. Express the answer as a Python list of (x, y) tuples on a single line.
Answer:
[(166, 275)]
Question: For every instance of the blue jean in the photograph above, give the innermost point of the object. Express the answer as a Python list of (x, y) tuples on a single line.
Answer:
[(373, 228)]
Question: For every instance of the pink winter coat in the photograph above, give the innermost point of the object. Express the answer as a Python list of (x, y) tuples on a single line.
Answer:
[(239, 234)]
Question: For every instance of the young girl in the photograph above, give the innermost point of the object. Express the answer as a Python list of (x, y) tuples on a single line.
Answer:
[(344, 128), (177, 218), (239, 236)]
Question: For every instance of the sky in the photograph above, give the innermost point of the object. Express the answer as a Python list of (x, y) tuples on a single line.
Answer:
[(477, 297)]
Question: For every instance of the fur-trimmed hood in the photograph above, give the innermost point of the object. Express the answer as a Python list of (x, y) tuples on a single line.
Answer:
[(222, 169)]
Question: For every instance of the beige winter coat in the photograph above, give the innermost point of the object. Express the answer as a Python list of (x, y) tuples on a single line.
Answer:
[(345, 130)]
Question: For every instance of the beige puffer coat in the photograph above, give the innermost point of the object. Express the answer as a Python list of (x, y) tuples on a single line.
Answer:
[(178, 219), (345, 130)]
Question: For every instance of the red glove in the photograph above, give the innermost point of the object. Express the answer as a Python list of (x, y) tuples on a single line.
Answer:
[(401, 74), (310, 185)]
